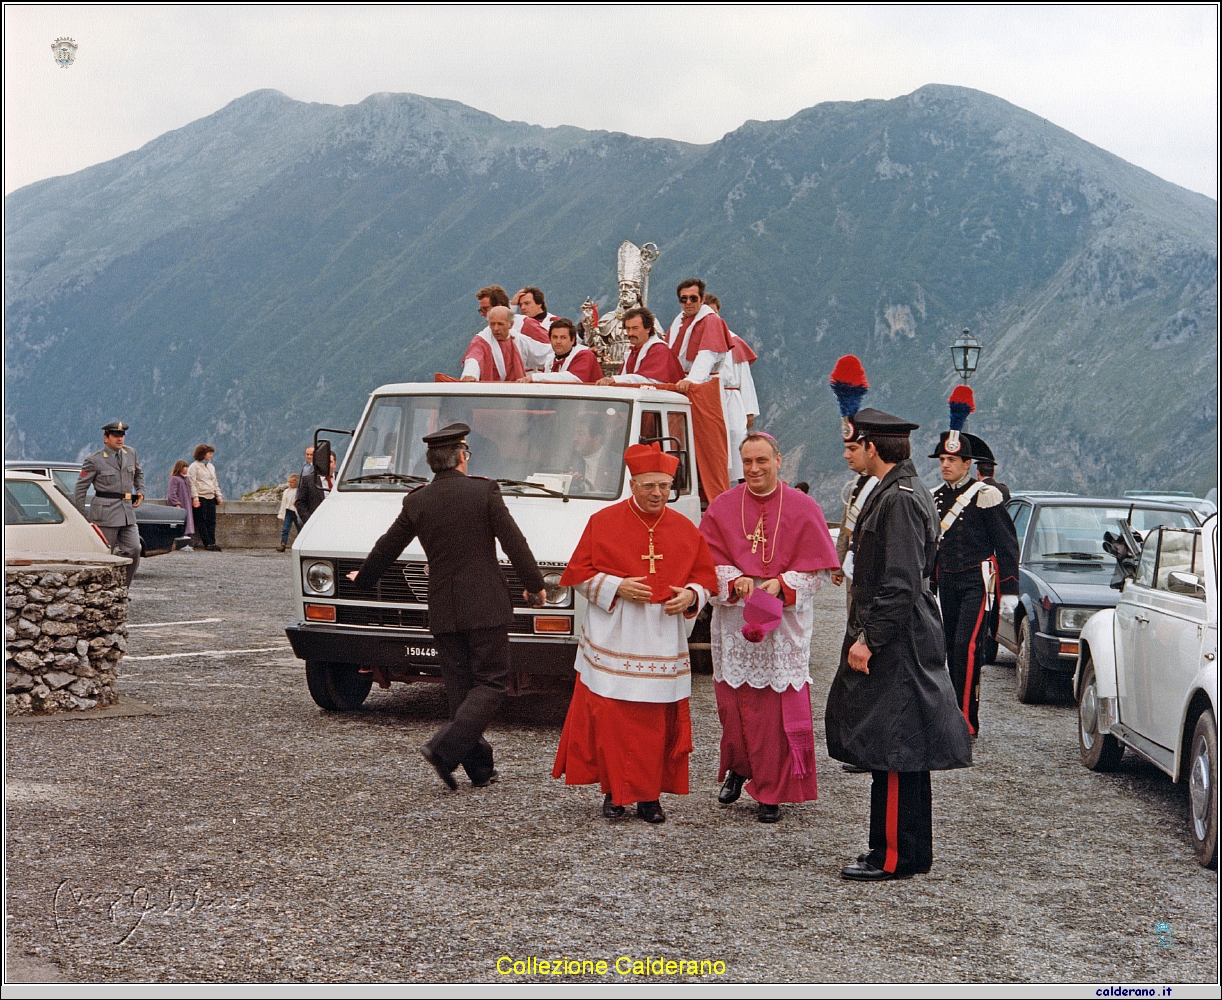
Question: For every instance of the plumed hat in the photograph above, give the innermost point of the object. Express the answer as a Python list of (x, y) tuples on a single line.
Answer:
[(642, 458), (848, 382), (955, 442)]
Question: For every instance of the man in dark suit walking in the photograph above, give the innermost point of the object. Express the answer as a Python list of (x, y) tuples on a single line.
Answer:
[(459, 519)]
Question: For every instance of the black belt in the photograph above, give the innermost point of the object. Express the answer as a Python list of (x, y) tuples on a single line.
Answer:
[(107, 495)]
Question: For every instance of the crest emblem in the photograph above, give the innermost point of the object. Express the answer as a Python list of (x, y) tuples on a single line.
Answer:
[(64, 50), (953, 444), (846, 428)]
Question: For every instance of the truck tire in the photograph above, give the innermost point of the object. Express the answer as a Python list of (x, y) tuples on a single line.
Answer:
[(1203, 789), (1100, 751), (1029, 676), (337, 687)]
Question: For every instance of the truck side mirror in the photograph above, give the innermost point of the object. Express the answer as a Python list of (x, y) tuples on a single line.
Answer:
[(1186, 583), (322, 458)]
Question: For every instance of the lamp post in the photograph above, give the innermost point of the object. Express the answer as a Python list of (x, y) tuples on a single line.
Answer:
[(965, 353)]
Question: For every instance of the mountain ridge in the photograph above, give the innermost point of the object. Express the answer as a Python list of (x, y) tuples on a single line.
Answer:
[(296, 253)]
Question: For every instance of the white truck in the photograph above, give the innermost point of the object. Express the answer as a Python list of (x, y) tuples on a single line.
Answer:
[(556, 450)]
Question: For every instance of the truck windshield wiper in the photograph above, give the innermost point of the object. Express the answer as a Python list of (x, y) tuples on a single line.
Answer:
[(531, 486), (1086, 556), (393, 477)]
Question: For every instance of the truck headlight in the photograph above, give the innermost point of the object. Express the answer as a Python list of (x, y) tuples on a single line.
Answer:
[(554, 594), (1073, 619), (319, 577)]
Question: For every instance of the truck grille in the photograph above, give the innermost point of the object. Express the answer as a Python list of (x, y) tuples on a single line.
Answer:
[(404, 582), (415, 618)]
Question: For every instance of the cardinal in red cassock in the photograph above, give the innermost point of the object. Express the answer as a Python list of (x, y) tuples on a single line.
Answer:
[(643, 568)]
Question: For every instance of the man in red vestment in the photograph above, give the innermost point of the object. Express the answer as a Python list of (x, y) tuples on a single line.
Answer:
[(572, 362), (642, 567), (649, 360), (698, 336), (529, 302), (500, 354)]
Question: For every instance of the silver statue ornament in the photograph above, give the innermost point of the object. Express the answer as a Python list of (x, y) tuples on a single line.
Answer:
[(609, 342)]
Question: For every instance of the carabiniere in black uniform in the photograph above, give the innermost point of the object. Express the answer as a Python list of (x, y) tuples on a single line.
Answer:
[(977, 563), (459, 519), (899, 720)]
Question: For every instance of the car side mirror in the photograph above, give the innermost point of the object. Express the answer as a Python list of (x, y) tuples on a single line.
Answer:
[(1187, 584), (322, 458)]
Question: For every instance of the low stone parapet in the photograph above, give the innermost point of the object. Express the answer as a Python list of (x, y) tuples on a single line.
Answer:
[(65, 627), (248, 524)]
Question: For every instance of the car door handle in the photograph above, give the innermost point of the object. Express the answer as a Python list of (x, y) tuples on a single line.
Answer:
[(1144, 621)]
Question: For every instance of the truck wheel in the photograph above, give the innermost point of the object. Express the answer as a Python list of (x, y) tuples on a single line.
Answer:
[(1028, 674), (337, 687), (1203, 790), (1100, 751)]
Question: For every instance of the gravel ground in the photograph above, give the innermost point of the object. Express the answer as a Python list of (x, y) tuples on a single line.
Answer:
[(242, 834)]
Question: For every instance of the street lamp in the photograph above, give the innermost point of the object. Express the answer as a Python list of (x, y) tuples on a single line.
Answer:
[(965, 353)]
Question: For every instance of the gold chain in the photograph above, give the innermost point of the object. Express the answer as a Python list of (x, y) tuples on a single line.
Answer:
[(758, 535)]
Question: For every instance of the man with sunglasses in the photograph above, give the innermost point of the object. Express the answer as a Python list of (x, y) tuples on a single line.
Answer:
[(118, 488), (459, 519), (698, 336)]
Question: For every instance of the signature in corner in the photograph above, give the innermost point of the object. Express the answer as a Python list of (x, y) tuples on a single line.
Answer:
[(120, 915)]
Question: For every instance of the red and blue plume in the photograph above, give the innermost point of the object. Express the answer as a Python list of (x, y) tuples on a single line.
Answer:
[(962, 403), (849, 383)]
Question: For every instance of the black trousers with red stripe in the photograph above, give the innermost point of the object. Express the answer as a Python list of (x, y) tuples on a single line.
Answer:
[(965, 620), (901, 822)]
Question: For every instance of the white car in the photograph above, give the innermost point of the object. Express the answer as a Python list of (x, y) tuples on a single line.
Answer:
[(1147, 676), (39, 518)]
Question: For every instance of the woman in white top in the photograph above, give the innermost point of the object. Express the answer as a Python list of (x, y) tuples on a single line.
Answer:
[(205, 495)]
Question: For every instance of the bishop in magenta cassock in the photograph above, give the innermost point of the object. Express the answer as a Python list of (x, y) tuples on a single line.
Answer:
[(765, 534), (643, 568)]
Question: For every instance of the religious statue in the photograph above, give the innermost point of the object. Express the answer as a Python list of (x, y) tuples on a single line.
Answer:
[(606, 336)]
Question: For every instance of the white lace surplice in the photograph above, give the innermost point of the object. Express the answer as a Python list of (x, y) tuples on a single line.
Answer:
[(783, 658), (630, 651)]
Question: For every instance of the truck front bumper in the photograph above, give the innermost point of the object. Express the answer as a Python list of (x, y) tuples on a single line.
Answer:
[(416, 653)]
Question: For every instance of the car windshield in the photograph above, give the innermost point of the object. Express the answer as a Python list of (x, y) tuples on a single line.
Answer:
[(1074, 534), (532, 445), (28, 503)]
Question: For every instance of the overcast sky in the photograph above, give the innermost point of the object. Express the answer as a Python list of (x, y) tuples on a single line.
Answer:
[(1140, 82)]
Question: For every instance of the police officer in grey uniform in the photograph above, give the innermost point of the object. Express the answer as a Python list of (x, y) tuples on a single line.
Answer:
[(118, 488)]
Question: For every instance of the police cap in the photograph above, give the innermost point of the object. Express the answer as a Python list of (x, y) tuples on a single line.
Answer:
[(116, 427), (450, 434), (875, 423)]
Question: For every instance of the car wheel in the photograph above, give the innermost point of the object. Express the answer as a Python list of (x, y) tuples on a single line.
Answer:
[(1029, 676), (337, 687), (1203, 789), (1100, 751)]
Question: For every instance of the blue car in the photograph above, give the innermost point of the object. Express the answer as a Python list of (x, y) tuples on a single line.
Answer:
[(1065, 576)]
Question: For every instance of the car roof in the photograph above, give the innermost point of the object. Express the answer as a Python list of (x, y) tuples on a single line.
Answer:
[(34, 463), (1071, 500), (559, 390)]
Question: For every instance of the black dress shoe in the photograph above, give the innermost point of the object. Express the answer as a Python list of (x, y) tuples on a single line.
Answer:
[(863, 871), (769, 814), (610, 809), (491, 779), (651, 812), (854, 769), (445, 775), (732, 788)]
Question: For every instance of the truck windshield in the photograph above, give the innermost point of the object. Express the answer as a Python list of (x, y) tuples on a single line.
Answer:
[(535, 446)]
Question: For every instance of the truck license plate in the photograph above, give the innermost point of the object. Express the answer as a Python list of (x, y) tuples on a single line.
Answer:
[(421, 652)]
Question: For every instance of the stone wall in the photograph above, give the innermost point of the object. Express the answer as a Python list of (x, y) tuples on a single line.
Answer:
[(65, 627), (248, 524)]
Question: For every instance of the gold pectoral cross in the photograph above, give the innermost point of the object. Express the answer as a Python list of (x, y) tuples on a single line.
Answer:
[(758, 538), (653, 557)]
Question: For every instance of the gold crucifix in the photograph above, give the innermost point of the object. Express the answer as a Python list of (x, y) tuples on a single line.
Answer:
[(758, 538), (653, 557)]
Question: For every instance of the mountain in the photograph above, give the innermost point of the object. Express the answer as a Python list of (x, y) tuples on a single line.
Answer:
[(256, 273)]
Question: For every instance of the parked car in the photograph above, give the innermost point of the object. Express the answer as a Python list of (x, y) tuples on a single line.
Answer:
[(38, 518), (1065, 576), (161, 527), (1202, 508), (1147, 671)]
